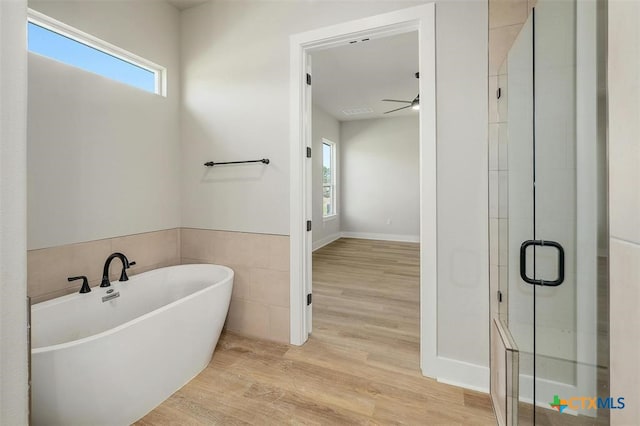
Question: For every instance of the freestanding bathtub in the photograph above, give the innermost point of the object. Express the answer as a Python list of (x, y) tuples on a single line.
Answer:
[(110, 363)]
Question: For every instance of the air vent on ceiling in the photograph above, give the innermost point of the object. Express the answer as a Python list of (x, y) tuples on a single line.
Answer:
[(356, 111)]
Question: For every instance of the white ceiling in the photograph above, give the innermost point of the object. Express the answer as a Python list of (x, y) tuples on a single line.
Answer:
[(360, 75)]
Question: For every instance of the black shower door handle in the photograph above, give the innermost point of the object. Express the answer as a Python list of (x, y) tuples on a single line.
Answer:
[(523, 262)]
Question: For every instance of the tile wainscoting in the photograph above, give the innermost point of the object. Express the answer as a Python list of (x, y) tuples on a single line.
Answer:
[(48, 268), (260, 299)]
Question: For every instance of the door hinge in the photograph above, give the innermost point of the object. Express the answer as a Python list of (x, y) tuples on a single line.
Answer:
[(499, 296), (309, 79), (308, 152), (499, 93), (308, 225), (309, 299)]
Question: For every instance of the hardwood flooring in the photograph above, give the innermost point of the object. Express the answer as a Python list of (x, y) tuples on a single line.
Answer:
[(366, 296), (360, 365)]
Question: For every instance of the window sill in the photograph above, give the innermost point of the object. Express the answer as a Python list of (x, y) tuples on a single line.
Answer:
[(329, 218)]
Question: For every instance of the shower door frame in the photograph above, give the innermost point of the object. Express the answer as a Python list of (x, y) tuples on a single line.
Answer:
[(586, 253)]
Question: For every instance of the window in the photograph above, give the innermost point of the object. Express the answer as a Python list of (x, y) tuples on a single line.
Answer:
[(328, 178), (55, 40)]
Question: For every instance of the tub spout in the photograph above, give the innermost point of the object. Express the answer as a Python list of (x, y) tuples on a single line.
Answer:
[(126, 264)]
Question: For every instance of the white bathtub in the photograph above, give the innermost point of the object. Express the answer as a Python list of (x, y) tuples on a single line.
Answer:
[(110, 363)]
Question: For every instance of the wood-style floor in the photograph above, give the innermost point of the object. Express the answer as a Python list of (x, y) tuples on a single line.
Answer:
[(360, 365)]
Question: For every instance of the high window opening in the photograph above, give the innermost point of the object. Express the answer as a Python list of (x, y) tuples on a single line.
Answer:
[(63, 43)]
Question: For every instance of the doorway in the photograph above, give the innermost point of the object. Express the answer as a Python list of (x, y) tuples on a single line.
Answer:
[(420, 19), (365, 199)]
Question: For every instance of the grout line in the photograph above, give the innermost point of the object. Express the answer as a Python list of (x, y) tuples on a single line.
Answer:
[(625, 241)]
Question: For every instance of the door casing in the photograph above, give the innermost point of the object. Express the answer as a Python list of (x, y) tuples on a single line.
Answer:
[(420, 19)]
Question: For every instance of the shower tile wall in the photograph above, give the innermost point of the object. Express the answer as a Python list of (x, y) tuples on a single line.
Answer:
[(48, 268), (506, 18), (260, 299), (624, 206)]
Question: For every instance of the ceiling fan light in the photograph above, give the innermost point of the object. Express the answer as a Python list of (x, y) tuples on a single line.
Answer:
[(415, 106)]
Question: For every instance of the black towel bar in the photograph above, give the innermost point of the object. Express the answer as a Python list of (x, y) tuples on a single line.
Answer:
[(211, 163)]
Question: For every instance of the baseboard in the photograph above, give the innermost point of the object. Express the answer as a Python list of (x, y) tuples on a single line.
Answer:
[(463, 374), (382, 237), (324, 241)]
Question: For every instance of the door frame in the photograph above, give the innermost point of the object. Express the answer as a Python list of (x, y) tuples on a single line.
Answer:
[(421, 19)]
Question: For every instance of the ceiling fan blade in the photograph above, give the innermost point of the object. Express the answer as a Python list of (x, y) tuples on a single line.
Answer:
[(394, 110), (395, 100)]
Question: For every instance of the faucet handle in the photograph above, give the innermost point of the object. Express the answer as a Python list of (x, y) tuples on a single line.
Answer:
[(85, 283), (123, 274)]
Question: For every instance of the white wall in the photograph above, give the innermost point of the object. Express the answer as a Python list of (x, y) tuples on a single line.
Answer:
[(463, 260), (380, 179), (104, 157), (624, 206), (323, 126), (13, 261), (235, 63)]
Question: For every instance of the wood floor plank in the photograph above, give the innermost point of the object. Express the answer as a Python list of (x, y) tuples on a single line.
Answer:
[(360, 366)]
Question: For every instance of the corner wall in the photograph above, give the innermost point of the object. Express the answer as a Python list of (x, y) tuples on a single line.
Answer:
[(104, 157), (14, 409), (260, 299), (380, 178)]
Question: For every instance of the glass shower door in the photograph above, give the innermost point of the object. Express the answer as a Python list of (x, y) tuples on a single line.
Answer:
[(554, 187), (518, 311), (567, 191)]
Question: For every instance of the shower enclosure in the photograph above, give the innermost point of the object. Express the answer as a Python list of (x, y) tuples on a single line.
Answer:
[(549, 359)]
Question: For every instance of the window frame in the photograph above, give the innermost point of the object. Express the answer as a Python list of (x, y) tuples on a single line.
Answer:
[(51, 24), (333, 185)]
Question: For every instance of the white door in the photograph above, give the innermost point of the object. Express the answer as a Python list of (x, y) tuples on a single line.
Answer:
[(308, 191)]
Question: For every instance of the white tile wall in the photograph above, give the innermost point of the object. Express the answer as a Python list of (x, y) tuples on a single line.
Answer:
[(625, 320), (493, 146), (503, 147), (624, 205)]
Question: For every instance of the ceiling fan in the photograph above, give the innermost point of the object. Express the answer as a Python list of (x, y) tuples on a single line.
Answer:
[(414, 104)]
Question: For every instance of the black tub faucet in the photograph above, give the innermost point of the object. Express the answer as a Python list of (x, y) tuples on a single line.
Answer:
[(85, 283), (125, 265)]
